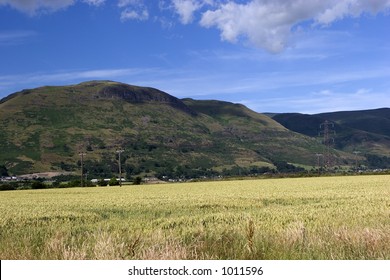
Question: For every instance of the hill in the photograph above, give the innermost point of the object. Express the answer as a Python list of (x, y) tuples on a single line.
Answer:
[(365, 131), (45, 129), (374, 121)]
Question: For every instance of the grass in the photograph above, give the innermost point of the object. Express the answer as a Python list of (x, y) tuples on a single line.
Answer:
[(303, 218)]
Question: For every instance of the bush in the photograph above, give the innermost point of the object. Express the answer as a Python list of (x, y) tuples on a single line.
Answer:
[(137, 181), (284, 167), (102, 183), (7, 187), (65, 178), (38, 185), (113, 182), (73, 184), (89, 184), (55, 184)]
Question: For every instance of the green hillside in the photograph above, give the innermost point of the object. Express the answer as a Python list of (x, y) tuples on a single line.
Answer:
[(366, 132), (374, 121), (45, 129)]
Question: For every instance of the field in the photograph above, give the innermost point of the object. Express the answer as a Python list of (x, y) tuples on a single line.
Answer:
[(305, 218)]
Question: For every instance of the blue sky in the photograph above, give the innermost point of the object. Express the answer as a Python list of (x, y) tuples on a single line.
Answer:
[(273, 56)]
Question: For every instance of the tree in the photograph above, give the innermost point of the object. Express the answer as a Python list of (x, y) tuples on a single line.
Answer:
[(137, 181), (284, 167), (113, 182), (36, 185), (102, 183), (3, 171), (74, 183)]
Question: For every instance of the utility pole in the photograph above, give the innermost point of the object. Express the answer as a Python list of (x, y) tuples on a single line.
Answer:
[(120, 151), (318, 155), (328, 141), (82, 154)]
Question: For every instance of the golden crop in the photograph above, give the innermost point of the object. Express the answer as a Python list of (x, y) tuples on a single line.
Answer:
[(304, 218)]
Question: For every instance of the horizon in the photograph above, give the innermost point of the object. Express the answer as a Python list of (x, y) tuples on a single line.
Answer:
[(199, 99), (312, 57)]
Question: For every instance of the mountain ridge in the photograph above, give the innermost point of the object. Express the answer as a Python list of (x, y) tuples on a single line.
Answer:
[(363, 131), (45, 129)]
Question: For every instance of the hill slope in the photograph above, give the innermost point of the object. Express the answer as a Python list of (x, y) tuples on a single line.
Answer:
[(44, 129), (374, 121), (366, 131)]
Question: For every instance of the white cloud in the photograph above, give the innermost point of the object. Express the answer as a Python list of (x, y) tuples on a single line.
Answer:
[(350, 8), (15, 37), (129, 14), (269, 24), (266, 24), (31, 7), (125, 3), (133, 10), (186, 9), (94, 2)]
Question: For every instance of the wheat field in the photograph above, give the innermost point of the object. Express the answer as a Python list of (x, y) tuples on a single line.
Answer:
[(300, 218)]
